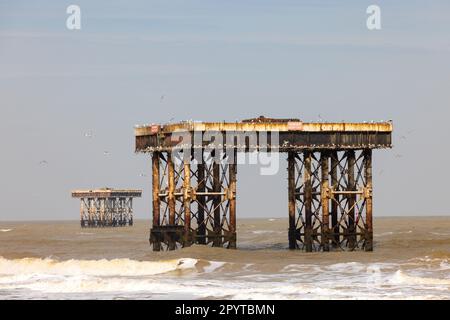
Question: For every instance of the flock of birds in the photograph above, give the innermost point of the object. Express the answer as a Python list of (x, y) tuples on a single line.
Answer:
[(89, 135)]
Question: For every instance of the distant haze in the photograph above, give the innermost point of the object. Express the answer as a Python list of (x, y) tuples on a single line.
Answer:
[(70, 99)]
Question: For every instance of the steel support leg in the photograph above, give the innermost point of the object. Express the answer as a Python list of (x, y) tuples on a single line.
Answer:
[(171, 197), (335, 198), (351, 160), (156, 201), (308, 202), (291, 201), (368, 179), (201, 229), (232, 169), (187, 241), (324, 195), (216, 204)]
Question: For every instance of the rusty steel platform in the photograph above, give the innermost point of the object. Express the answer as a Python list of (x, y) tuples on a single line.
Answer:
[(293, 135), (329, 179)]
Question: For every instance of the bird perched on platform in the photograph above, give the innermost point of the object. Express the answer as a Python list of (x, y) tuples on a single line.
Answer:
[(320, 118)]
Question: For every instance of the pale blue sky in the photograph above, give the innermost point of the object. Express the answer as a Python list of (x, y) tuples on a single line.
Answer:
[(216, 60)]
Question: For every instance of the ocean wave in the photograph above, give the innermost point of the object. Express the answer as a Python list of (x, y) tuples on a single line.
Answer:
[(103, 267), (265, 231), (5, 230), (100, 276), (390, 233), (201, 279), (400, 277), (441, 233)]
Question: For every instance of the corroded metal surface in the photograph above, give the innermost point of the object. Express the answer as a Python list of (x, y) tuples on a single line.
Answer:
[(193, 203), (349, 194), (282, 134)]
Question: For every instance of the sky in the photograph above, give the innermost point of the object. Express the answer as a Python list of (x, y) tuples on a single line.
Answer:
[(69, 99)]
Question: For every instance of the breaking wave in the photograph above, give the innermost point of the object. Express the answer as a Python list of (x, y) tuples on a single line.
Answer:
[(103, 267), (419, 278), (401, 277)]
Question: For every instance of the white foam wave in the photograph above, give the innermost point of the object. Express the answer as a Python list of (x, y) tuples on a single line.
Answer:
[(213, 266), (347, 267), (5, 230), (103, 267), (390, 233), (265, 231), (441, 233), (143, 279), (400, 277)]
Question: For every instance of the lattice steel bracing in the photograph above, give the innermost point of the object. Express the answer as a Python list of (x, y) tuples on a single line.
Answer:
[(103, 212), (193, 201), (106, 207), (330, 200)]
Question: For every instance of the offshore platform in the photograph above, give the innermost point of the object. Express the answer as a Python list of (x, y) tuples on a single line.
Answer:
[(106, 207), (329, 180)]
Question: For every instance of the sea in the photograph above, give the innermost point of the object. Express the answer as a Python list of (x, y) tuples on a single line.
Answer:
[(60, 260)]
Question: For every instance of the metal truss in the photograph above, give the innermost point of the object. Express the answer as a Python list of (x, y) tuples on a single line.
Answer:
[(193, 202), (330, 200), (106, 212)]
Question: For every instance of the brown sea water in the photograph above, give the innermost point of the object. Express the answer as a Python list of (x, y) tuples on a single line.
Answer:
[(60, 260)]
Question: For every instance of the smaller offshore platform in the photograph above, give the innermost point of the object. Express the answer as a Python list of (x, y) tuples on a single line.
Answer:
[(106, 207)]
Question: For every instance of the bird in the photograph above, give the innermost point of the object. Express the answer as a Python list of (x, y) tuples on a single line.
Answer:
[(88, 134), (403, 137), (106, 153), (43, 162), (142, 175), (162, 98)]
